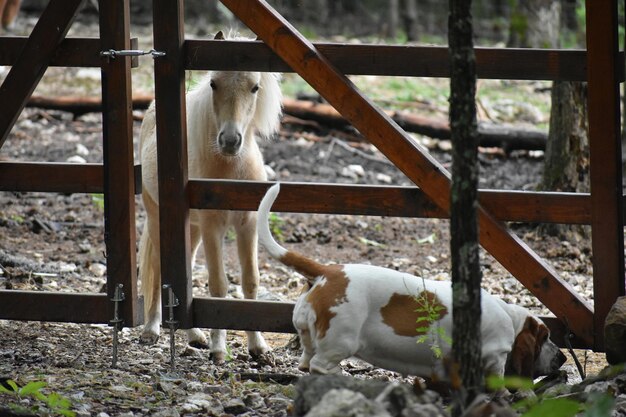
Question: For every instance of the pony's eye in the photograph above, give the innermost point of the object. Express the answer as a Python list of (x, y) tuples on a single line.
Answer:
[(255, 89), (213, 86)]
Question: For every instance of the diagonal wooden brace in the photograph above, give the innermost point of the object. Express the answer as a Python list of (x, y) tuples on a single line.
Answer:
[(32, 63), (412, 160)]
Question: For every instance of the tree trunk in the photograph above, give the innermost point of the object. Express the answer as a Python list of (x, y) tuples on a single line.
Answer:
[(535, 24), (466, 275), (408, 11), (566, 166)]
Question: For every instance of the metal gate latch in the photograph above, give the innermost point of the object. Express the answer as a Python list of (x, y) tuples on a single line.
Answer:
[(112, 53)]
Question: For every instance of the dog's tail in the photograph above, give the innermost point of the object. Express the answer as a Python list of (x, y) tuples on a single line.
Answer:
[(305, 266)]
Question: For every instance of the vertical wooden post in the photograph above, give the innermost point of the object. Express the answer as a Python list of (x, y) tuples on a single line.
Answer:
[(607, 227), (169, 36), (119, 174)]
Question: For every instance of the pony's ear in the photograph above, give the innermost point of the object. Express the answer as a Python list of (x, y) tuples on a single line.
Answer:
[(219, 35)]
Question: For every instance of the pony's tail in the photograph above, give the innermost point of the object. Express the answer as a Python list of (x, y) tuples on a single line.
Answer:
[(305, 266), (263, 224)]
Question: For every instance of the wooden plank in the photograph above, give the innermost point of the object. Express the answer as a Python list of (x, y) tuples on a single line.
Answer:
[(71, 52), (119, 181), (426, 61), (272, 316), (603, 100), (228, 313), (24, 75), (56, 177), (51, 177), (172, 155), (539, 277), (367, 200), (54, 306)]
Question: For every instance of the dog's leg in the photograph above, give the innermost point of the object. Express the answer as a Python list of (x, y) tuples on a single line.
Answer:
[(331, 350), (247, 248), (195, 337), (307, 349), (213, 230)]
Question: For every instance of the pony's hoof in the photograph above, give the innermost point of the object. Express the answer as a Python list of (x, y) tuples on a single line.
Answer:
[(199, 344), (218, 357), (148, 338)]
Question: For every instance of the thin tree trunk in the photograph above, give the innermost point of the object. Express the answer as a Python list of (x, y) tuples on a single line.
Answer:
[(466, 275), (408, 11)]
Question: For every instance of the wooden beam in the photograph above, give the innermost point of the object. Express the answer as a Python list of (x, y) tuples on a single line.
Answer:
[(426, 61), (71, 52), (603, 102), (539, 277), (119, 181), (368, 200), (35, 57), (172, 155), (54, 306)]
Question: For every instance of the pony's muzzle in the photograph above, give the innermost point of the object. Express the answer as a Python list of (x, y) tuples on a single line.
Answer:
[(229, 142)]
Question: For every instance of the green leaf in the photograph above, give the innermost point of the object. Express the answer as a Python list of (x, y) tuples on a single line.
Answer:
[(371, 242), (428, 239), (495, 382), (601, 406), (31, 387), (554, 407), (12, 384), (4, 390)]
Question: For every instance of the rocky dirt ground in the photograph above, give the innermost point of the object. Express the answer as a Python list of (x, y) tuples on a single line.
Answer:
[(55, 243)]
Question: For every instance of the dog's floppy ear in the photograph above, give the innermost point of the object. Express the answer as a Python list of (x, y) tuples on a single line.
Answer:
[(526, 348), (219, 35)]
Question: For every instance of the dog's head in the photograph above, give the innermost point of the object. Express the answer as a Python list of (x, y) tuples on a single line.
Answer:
[(533, 353)]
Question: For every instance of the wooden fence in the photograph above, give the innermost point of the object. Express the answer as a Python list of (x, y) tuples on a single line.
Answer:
[(324, 67)]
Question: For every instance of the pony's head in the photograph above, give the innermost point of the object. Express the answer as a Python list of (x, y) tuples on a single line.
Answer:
[(244, 104)]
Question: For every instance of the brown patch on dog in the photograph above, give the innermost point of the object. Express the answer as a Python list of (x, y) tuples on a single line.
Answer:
[(526, 347), (327, 295), (409, 315)]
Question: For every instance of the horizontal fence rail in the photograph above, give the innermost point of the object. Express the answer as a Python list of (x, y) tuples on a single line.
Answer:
[(373, 200), (395, 60), (56, 177), (71, 52)]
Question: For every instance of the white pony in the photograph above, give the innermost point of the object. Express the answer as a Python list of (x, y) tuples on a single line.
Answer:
[(226, 113)]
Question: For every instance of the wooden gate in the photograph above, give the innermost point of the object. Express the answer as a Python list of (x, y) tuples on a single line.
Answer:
[(323, 65), (29, 58)]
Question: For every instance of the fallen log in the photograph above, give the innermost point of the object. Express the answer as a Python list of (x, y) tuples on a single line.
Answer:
[(79, 105), (490, 135), (508, 138)]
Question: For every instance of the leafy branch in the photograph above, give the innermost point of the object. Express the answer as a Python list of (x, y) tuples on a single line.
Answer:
[(56, 403)]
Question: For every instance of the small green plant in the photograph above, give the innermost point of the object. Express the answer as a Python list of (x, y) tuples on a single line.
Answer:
[(98, 200), (276, 224), (430, 311), (599, 406), (55, 403)]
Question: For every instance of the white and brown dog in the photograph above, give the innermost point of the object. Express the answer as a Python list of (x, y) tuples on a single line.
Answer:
[(374, 313)]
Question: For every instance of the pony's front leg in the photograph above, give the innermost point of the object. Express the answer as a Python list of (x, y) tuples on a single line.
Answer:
[(248, 259), (213, 231), (195, 337)]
